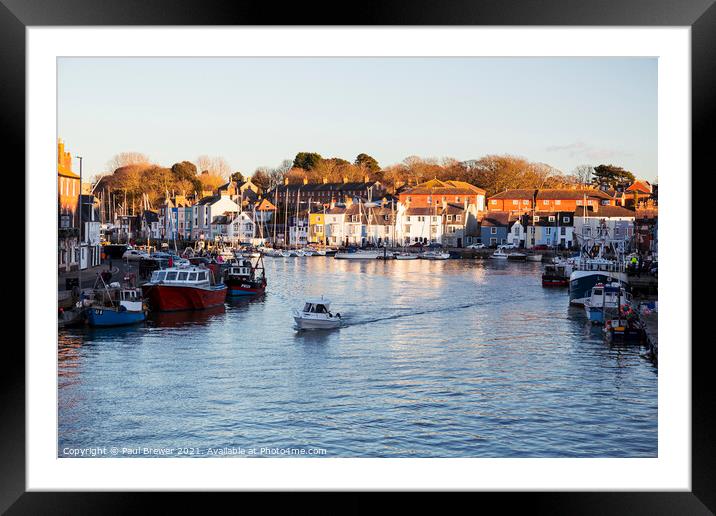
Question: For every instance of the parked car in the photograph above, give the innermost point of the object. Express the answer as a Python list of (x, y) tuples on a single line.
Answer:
[(476, 246), (541, 247), (507, 246), (134, 254)]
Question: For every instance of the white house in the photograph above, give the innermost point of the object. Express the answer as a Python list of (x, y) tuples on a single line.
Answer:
[(422, 225), (206, 209), (335, 226), (618, 221), (554, 229)]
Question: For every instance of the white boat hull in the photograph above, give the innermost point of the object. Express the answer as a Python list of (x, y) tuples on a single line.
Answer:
[(356, 256), (316, 324), (406, 257)]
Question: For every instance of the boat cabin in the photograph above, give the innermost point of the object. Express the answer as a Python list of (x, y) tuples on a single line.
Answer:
[(317, 307), (182, 276)]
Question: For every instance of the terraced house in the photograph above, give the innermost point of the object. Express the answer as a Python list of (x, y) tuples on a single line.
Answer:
[(438, 193)]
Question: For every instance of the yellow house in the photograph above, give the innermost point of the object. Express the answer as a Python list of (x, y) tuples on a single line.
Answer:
[(316, 228)]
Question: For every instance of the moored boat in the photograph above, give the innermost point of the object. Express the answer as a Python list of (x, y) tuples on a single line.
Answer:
[(183, 288), (316, 315), (556, 275), (434, 255), (535, 257), (499, 255), (606, 298), (515, 256), (116, 306), (406, 256), (352, 254), (243, 278)]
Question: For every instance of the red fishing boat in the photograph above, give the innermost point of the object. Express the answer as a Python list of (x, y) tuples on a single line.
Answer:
[(183, 288)]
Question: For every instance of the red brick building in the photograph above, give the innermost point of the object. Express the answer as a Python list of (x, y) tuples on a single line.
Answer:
[(436, 192), (548, 199)]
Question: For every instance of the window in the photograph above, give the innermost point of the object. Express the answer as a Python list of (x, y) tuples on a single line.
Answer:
[(493, 201), (493, 231), (579, 203), (458, 218), (202, 276), (536, 218), (449, 218), (457, 199), (565, 219), (525, 201), (548, 230), (545, 202), (551, 218), (171, 276), (558, 202), (192, 276), (515, 202), (182, 276)]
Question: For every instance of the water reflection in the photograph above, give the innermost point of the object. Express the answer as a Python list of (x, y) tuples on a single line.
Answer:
[(457, 358)]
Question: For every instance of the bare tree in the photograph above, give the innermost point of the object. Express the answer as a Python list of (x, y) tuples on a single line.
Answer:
[(583, 173), (124, 159), (215, 165)]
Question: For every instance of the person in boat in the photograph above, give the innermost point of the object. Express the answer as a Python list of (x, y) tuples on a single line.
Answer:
[(106, 276)]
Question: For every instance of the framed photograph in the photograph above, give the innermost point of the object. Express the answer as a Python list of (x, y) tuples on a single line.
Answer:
[(417, 253)]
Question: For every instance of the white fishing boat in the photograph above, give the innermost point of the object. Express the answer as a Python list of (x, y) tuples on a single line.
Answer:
[(499, 255), (316, 315), (517, 256), (606, 298), (406, 256), (534, 257), (434, 255)]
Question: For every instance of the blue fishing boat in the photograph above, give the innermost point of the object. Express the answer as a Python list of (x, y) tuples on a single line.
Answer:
[(116, 306)]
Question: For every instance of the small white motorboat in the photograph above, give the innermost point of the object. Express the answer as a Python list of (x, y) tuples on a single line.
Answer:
[(406, 256), (434, 255), (316, 315), (499, 255), (534, 257), (357, 255), (517, 256)]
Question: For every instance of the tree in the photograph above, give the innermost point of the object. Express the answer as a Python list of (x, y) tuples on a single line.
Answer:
[(216, 166), (612, 175), (262, 178), (368, 162), (125, 159), (238, 177), (583, 173), (210, 181), (307, 160), (185, 178)]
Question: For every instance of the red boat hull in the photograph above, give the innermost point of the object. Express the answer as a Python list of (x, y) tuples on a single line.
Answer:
[(165, 298), (547, 282)]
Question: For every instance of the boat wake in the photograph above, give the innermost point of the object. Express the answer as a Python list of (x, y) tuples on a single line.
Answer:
[(348, 322)]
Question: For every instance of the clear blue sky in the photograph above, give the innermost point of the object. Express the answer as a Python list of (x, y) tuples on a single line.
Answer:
[(258, 111)]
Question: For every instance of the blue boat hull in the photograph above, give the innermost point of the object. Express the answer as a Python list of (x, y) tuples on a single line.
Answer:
[(595, 315), (112, 317)]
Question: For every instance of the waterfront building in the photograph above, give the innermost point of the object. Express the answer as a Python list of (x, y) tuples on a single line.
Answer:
[(68, 191), (435, 193), (298, 229), (460, 223), (646, 230), (548, 199), (419, 225), (545, 228), (380, 226), (90, 247), (149, 225), (618, 221), (316, 227), (639, 192), (205, 210), (495, 227), (335, 225)]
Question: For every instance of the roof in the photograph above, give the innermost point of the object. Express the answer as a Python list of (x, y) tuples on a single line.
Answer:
[(604, 212), (437, 187), (150, 216), (265, 205), (571, 194), (496, 218), (519, 193), (336, 211), (640, 186), (210, 199), (422, 211), (326, 187)]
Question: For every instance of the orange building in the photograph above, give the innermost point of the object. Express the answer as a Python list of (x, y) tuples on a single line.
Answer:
[(436, 193), (68, 189), (548, 199)]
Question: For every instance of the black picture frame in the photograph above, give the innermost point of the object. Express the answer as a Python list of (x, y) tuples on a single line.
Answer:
[(700, 15)]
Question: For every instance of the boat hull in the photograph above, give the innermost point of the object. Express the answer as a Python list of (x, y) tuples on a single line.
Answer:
[(316, 324), (166, 298), (356, 256), (582, 282), (102, 316), (244, 289), (555, 281)]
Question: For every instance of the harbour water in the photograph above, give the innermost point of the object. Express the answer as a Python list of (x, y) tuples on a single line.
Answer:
[(456, 358)]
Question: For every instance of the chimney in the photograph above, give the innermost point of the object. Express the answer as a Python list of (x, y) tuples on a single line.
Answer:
[(305, 180), (325, 180), (285, 181), (367, 179), (345, 179)]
